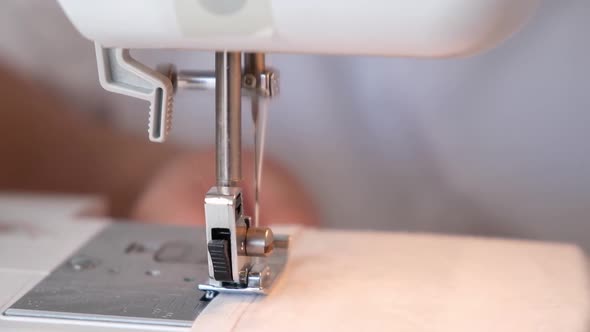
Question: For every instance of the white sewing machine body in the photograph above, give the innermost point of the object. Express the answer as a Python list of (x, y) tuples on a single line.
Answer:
[(424, 28)]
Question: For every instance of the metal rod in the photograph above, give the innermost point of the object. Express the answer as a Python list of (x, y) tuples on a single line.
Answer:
[(254, 63), (196, 80), (228, 117)]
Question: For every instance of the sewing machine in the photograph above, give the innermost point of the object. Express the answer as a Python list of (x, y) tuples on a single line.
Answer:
[(235, 274)]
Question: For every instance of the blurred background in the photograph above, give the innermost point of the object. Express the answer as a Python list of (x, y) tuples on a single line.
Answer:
[(496, 144)]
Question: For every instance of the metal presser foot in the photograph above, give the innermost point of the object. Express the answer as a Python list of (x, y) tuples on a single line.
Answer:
[(242, 257)]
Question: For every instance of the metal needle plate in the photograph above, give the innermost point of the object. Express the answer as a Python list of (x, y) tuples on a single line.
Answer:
[(129, 273)]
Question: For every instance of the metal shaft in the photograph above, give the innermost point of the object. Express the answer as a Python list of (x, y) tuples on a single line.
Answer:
[(196, 80), (228, 117), (254, 63)]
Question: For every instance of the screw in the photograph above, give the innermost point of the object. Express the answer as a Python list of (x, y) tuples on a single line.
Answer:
[(249, 81)]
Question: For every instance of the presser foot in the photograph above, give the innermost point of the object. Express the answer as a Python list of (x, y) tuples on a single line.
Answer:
[(242, 258), (259, 277)]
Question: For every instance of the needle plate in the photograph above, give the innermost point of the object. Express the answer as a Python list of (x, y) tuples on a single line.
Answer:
[(128, 273)]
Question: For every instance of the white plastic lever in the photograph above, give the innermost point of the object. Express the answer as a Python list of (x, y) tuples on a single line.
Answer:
[(120, 73)]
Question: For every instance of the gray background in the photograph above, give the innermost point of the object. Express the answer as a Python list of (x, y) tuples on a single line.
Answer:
[(497, 144)]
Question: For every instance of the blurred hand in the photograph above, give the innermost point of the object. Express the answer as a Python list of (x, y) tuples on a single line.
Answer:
[(176, 194), (47, 146)]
